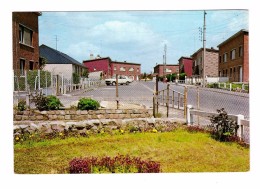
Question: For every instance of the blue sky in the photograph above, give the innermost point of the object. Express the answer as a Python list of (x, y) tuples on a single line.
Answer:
[(137, 36)]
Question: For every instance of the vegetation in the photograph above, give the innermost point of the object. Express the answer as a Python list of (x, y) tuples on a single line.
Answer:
[(76, 78), (177, 151), (117, 164), (21, 105), (88, 104), (46, 102), (224, 128)]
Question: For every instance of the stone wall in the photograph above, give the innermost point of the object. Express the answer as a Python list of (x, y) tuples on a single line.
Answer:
[(79, 115), (95, 125)]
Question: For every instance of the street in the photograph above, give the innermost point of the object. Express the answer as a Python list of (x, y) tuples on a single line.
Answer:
[(140, 92)]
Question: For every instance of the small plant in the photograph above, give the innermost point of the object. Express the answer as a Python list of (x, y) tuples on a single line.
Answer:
[(53, 103), (21, 105), (118, 164), (46, 103), (76, 78), (88, 104), (223, 127), (40, 101)]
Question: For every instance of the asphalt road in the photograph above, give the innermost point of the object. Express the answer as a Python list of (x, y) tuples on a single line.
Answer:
[(209, 99)]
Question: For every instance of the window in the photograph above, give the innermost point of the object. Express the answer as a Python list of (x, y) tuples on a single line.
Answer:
[(131, 69), (230, 72), (22, 66), (31, 65), (122, 69), (137, 70), (233, 54), (225, 57), (219, 74), (25, 35), (115, 68), (240, 52), (167, 70), (219, 59)]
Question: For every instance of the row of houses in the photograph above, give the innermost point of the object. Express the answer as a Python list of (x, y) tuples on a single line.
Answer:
[(27, 54), (230, 60)]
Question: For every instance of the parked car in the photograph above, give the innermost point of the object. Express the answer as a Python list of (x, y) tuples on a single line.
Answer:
[(121, 80)]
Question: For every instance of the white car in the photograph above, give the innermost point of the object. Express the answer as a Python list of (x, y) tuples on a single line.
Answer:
[(121, 80)]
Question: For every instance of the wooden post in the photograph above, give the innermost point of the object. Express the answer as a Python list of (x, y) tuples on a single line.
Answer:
[(167, 99), (198, 103), (185, 100), (57, 85), (178, 101), (156, 93), (173, 99), (117, 100), (189, 117)]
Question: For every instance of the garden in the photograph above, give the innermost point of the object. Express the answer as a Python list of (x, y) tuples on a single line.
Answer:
[(130, 149)]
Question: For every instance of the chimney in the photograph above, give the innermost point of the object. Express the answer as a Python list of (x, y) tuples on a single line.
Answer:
[(91, 57)]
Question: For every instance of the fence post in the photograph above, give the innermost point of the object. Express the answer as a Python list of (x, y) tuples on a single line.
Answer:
[(167, 99), (198, 103), (27, 99), (218, 85), (25, 80), (117, 100), (243, 86), (230, 86), (156, 93), (57, 85), (39, 79), (225, 85), (240, 130), (185, 100), (189, 117)]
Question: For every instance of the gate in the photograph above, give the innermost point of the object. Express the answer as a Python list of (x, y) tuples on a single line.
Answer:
[(170, 99)]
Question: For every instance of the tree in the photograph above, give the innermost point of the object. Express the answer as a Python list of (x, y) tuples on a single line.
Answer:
[(42, 62)]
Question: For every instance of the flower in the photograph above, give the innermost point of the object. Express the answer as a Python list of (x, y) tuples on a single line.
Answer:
[(154, 130), (17, 138), (121, 131), (60, 134)]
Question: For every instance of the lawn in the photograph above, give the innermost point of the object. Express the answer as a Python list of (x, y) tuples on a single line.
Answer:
[(176, 151)]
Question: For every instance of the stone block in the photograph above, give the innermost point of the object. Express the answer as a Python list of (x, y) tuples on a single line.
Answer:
[(84, 112), (39, 117), (67, 117), (18, 117)]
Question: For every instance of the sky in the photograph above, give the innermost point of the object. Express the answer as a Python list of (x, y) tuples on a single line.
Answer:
[(138, 36)]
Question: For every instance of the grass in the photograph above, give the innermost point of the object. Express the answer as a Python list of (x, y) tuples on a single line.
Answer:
[(177, 151)]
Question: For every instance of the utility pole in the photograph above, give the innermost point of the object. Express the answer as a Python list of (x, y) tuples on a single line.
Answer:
[(164, 61), (204, 47), (56, 39)]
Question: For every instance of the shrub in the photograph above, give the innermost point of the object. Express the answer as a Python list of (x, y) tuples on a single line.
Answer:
[(76, 78), (40, 101), (46, 103), (53, 103), (118, 164), (88, 104), (223, 127), (21, 105)]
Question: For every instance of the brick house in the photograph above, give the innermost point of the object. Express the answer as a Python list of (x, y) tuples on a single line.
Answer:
[(60, 63), (25, 41), (165, 69), (211, 63), (132, 70), (111, 68), (234, 57), (185, 65)]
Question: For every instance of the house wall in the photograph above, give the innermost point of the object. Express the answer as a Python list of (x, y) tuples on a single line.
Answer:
[(99, 65), (171, 69), (133, 71), (231, 67), (22, 51), (211, 63), (66, 69), (186, 65)]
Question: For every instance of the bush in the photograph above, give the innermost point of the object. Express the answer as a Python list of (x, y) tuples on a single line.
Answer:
[(46, 103), (118, 164), (88, 104), (223, 127), (76, 78), (53, 103), (22, 105)]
